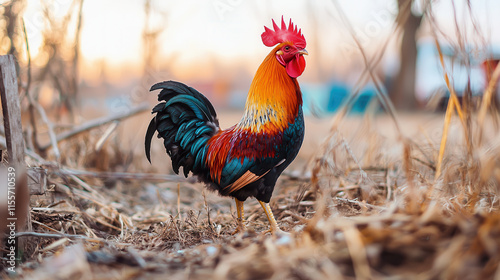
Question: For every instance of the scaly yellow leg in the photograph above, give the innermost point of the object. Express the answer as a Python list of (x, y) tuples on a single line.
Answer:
[(272, 221), (241, 217)]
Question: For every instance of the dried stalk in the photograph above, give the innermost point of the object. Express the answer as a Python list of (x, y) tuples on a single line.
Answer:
[(59, 235), (98, 122), (120, 175), (50, 126)]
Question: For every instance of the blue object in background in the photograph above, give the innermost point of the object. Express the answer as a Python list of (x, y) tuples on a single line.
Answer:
[(315, 98), (363, 100), (323, 99), (338, 95)]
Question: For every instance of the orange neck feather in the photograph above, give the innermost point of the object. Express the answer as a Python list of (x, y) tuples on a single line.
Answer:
[(274, 97)]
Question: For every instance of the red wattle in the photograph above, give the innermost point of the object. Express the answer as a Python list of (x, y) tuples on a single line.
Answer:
[(296, 66)]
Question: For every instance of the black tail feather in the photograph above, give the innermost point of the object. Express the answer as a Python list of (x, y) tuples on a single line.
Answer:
[(186, 120)]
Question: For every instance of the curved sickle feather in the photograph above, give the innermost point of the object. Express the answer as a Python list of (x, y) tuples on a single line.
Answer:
[(149, 135)]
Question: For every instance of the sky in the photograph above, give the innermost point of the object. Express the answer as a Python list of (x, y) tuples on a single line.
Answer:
[(200, 37)]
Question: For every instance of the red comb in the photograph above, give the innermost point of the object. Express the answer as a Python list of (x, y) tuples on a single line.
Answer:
[(283, 34)]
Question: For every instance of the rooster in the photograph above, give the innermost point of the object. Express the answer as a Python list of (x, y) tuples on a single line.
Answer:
[(246, 159)]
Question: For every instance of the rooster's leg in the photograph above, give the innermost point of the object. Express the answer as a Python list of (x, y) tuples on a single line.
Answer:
[(241, 217), (272, 221)]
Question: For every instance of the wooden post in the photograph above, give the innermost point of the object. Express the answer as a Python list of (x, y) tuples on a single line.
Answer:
[(11, 110), (15, 147)]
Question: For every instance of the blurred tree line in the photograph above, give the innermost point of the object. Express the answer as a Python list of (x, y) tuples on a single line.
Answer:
[(59, 55)]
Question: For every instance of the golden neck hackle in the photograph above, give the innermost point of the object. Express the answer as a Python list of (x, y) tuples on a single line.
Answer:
[(273, 99)]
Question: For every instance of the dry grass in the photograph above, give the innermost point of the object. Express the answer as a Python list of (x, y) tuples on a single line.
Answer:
[(360, 217)]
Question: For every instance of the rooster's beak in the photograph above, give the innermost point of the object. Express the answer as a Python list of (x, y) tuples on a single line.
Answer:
[(303, 52)]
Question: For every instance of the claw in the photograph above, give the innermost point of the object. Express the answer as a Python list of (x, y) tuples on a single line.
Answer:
[(274, 229), (241, 228), (276, 232)]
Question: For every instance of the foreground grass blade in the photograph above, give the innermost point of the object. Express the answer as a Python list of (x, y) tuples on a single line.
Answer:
[(488, 95)]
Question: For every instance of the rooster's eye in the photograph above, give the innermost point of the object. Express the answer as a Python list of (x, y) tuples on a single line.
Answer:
[(287, 48)]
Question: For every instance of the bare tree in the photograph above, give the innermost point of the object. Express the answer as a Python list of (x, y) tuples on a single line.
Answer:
[(62, 66), (11, 12), (150, 43), (403, 90)]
